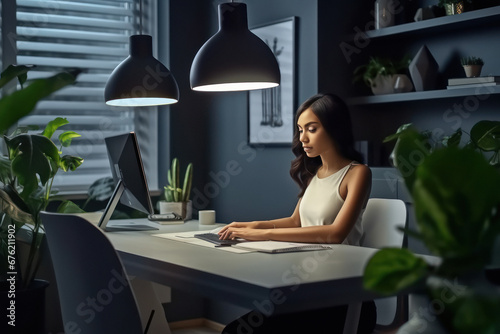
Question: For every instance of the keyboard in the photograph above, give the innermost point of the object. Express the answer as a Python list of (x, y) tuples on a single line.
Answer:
[(214, 238)]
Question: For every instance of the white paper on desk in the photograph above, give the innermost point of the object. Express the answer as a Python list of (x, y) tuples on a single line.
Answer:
[(280, 246), (188, 237)]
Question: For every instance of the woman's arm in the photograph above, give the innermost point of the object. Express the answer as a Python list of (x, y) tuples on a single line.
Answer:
[(287, 222), (355, 187)]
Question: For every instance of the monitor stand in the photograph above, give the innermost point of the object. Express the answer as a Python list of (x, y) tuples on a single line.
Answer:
[(110, 208)]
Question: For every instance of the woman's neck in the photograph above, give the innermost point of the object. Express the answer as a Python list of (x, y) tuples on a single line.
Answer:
[(332, 163)]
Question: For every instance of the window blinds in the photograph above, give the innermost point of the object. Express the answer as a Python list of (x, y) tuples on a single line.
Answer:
[(91, 35)]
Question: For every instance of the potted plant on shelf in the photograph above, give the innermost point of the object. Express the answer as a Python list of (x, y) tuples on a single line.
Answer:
[(27, 171), (177, 197), (453, 7), (457, 209), (472, 66), (385, 76)]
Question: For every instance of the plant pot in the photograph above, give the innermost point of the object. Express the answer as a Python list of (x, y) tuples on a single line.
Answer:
[(389, 84), (472, 70), (184, 209), (454, 8), (25, 308)]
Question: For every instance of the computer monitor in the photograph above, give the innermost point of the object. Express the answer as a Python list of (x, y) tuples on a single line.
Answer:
[(131, 187)]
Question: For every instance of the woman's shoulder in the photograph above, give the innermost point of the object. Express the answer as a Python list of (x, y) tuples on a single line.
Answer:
[(360, 170)]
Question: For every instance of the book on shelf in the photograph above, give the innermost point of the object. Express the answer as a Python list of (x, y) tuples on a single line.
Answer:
[(473, 80), (476, 85), (279, 246)]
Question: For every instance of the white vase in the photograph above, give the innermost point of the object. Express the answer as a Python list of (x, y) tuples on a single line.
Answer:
[(184, 209), (389, 84), (382, 84)]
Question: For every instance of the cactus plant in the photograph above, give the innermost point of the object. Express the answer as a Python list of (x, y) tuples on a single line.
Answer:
[(471, 61), (173, 191)]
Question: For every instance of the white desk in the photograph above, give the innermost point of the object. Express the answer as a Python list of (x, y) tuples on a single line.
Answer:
[(284, 282)]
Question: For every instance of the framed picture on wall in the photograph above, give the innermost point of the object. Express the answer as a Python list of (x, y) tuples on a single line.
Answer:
[(271, 111)]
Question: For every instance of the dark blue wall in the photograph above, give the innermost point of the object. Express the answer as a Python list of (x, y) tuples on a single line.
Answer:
[(210, 129)]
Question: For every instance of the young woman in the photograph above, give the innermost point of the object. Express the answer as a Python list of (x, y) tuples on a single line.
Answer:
[(335, 187)]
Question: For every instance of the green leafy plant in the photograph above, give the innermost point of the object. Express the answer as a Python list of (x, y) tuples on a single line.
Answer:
[(457, 209), (28, 168), (173, 191), (380, 66), (471, 61)]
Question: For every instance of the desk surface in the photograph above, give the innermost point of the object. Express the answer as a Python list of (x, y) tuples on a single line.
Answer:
[(281, 282)]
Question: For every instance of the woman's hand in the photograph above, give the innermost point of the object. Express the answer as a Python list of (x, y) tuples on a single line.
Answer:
[(240, 230)]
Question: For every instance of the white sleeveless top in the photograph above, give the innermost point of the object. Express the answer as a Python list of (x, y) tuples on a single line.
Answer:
[(322, 202)]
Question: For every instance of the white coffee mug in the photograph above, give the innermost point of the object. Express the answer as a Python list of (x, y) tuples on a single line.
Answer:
[(206, 217)]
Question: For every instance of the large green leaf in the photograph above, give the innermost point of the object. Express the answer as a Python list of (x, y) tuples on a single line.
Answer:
[(411, 148), (20, 103), (466, 308), (12, 71), (69, 207), (391, 270), (456, 197), (53, 125), (14, 207), (70, 162), (5, 170), (101, 189), (486, 135), (65, 138), (30, 155)]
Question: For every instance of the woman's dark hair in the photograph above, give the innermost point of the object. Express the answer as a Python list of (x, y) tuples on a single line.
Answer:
[(334, 116)]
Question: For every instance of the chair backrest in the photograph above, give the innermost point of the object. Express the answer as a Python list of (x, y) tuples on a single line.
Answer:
[(381, 220), (94, 290)]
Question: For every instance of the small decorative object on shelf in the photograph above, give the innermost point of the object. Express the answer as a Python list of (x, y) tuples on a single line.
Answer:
[(453, 7), (177, 198), (423, 70), (385, 13), (471, 82), (385, 76), (472, 66)]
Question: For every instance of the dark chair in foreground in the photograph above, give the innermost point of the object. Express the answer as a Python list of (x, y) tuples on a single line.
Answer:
[(94, 291)]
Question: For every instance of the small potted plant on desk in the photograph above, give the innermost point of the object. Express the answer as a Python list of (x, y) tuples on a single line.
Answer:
[(385, 76), (472, 66), (177, 197), (27, 171), (455, 192)]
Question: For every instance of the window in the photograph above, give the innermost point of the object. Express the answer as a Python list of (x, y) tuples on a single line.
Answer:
[(92, 35)]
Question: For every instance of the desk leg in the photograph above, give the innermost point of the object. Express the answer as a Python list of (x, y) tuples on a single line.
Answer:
[(147, 300)]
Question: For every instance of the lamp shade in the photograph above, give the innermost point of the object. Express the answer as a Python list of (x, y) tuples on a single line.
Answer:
[(234, 59), (141, 80)]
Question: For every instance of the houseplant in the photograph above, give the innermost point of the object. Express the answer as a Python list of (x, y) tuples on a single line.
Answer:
[(384, 76), (453, 7), (472, 66), (26, 175), (177, 197), (455, 194)]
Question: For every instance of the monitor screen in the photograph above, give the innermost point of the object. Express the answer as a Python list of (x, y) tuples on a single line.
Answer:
[(131, 187)]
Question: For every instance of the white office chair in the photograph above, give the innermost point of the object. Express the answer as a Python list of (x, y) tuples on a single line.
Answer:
[(94, 291), (381, 220)]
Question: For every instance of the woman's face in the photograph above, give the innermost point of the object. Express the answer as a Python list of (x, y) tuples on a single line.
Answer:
[(313, 136)]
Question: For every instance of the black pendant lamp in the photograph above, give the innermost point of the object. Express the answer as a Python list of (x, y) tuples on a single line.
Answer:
[(234, 59), (141, 80)]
